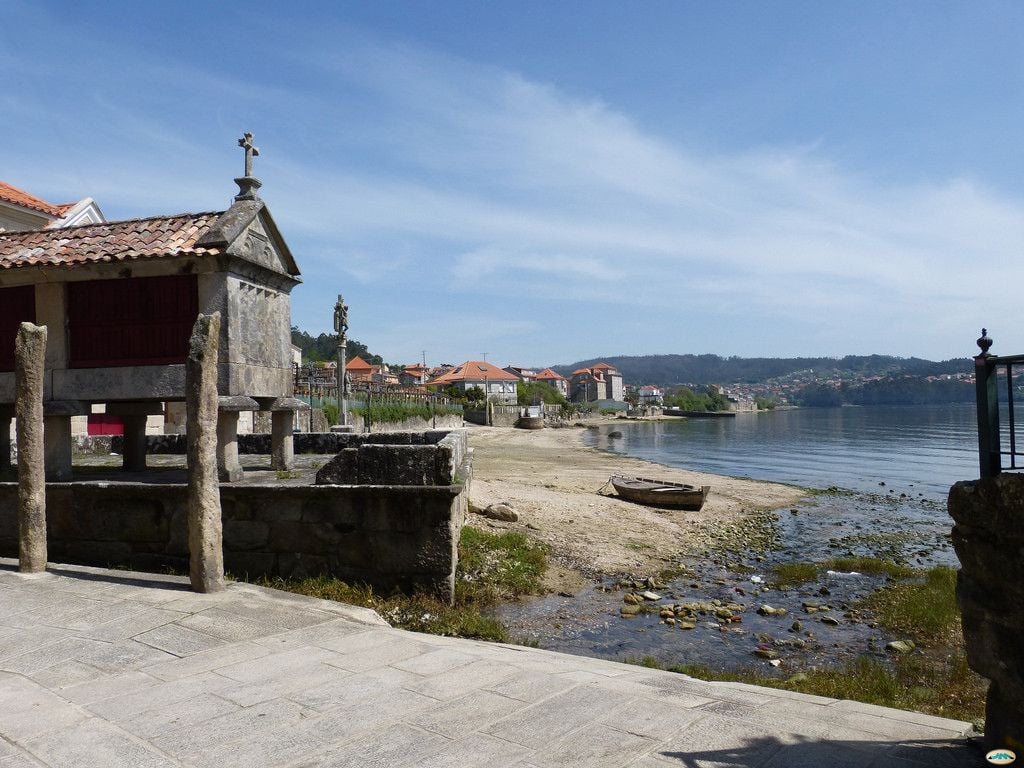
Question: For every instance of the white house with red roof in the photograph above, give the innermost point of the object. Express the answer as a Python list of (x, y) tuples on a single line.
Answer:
[(559, 382), (499, 385), (20, 210)]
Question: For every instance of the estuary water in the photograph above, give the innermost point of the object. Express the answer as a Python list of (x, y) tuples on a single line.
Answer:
[(886, 472), (920, 448)]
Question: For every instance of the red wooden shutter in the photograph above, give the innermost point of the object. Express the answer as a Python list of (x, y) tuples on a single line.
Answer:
[(131, 321), (17, 305)]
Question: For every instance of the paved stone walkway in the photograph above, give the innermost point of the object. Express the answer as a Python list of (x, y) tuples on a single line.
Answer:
[(110, 668)]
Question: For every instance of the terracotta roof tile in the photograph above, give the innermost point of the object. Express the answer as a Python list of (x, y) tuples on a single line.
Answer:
[(474, 370), (20, 197), (550, 374), (111, 241), (358, 364)]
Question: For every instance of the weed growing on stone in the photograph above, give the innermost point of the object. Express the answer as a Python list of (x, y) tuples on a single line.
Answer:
[(491, 567), (497, 566), (800, 573), (934, 678)]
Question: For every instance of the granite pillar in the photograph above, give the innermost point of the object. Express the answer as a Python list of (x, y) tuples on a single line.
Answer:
[(6, 414), (229, 468), (133, 457), (205, 531), (57, 447), (29, 372), (282, 448), (989, 540)]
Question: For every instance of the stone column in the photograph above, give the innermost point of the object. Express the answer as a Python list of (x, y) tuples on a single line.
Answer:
[(229, 468), (30, 367), (6, 414), (282, 444), (989, 540), (134, 414), (205, 533), (133, 458), (57, 447)]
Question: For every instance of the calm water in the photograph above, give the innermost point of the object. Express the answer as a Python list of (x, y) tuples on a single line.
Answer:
[(921, 448), (917, 452)]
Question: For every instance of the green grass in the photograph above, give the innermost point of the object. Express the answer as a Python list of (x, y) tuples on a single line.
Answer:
[(497, 566), (801, 573), (924, 608), (380, 413), (492, 567), (934, 679)]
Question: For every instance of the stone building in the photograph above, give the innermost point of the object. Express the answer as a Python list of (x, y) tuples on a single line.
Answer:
[(599, 382), (119, 299)]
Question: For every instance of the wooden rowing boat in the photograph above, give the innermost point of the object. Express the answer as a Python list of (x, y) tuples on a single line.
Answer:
[(660, 493)]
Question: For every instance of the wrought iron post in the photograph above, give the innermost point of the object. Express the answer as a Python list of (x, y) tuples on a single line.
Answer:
[(988, 408)]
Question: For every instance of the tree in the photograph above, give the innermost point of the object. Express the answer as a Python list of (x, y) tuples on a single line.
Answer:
[(538, 392), (475, 395)]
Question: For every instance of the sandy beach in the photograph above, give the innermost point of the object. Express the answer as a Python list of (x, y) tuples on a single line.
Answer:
[(554, 483)]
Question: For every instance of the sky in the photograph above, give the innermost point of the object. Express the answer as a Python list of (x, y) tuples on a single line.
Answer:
[(544, 182)]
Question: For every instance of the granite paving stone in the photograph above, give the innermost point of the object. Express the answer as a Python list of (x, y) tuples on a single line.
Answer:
[(134, 670)]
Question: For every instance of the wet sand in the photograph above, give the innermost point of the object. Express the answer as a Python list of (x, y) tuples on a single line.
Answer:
[(555, 483)]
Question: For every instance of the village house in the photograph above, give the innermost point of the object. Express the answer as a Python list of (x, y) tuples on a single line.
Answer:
[(119, 300), (413, 375), (525, 375), (597, 383), (499, 385), (553, 378), (20, 210), (649, 395), (360, 371)]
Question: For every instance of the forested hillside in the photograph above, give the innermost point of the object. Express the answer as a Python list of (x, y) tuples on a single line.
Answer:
[(712, 369)]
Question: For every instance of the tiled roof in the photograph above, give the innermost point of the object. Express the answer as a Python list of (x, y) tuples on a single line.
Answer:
[(108, 242), (358, 364), (550, 374), (20, 197), (475, 370)]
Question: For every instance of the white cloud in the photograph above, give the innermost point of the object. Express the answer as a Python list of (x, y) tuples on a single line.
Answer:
[(396, 171)]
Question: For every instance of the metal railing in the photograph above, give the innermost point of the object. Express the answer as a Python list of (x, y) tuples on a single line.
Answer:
[(995, 443)]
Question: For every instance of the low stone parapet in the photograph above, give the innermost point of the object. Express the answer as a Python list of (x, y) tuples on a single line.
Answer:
[(398, 528)]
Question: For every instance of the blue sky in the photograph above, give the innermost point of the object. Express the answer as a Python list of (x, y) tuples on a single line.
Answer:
[(547, 182)]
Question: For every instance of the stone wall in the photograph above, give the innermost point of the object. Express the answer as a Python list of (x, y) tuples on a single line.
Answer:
[(989, 540), (259, 443), (401, 534)]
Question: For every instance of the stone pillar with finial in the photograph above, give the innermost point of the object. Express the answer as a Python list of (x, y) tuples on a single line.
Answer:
[(341, 328), (987, 397)]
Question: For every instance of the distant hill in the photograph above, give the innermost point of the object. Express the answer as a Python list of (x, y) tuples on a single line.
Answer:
[(667, 370)]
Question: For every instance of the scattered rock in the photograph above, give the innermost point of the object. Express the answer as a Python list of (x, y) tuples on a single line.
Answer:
[(766, 653), (652, 596), (631, 599), (501, 510), (830, 620), (796, 626), (629, 610), (614, 434), (900, 646)]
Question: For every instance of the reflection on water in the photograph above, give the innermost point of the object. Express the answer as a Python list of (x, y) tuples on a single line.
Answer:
[(926, 448)]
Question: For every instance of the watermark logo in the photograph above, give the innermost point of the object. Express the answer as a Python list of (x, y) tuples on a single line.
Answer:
[(1001, 756)]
